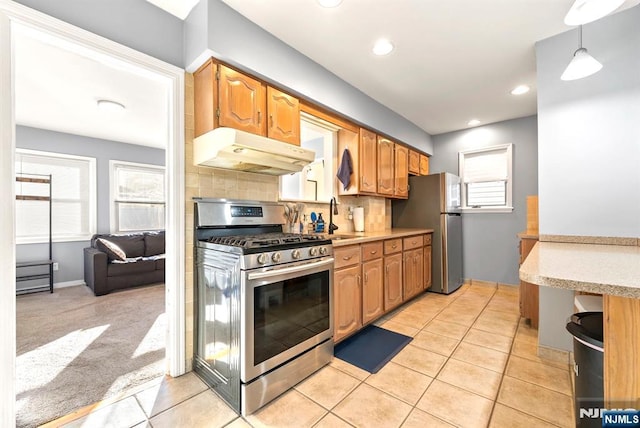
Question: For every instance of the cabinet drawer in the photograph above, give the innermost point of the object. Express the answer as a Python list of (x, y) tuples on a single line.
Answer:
[(413, 242), (427, 239), (392, 246), (346, 256), (372, 250)]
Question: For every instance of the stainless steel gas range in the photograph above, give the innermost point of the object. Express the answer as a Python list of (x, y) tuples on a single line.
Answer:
[(264, 315)]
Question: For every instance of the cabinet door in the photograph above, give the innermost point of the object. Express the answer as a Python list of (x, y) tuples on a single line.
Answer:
[(368, 161), (401, 172), (418, 258), (348, 302), (427, 267), (385, 166), (284, 116), (242, 102), (372, 290), (392, 281), (205, 95), (414, 162), (424, 165)]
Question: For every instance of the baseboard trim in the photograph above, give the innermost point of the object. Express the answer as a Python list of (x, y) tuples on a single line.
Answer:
[(68, 283)]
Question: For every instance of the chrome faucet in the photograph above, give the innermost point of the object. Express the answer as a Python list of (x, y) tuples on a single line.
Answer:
[(333, 209)]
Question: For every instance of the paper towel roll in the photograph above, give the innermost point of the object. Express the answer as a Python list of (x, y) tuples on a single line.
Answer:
[(358, 219)]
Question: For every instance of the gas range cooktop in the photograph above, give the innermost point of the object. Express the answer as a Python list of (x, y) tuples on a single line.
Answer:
[(267, 240)]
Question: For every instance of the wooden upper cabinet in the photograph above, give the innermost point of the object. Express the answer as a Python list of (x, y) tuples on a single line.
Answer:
[(414, 162), (424, 165), (284, 116), (401, 172), (242, 102), (368, 161), (205, 97), (385, 166)]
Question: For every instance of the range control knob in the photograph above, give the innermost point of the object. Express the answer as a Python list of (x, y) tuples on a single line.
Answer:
[(262, 258), (323, 250), (276, 257), (313, 251), (295, 254)]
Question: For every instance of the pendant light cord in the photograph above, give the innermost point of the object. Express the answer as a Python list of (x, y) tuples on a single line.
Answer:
[(580, 36)]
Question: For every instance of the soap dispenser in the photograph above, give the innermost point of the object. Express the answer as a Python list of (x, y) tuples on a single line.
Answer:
[(320, 224)]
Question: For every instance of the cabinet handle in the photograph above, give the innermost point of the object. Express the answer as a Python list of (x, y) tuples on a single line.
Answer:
[(394, 246), (259, 116), (366, 277), (374, 251), (346, 257), (270, 121), (386, 269), (414, 242), (359, 279)]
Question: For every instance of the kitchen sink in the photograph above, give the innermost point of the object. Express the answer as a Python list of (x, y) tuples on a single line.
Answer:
[(338, 237)]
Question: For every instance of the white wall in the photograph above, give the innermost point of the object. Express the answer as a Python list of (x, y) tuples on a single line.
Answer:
[(589, 132)]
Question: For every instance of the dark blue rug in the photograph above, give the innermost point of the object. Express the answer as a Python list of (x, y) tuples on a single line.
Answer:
[(371, 348)]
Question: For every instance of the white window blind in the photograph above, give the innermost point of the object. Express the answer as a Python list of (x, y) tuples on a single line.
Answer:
[(72, 195), (138, 196), (486, 177)]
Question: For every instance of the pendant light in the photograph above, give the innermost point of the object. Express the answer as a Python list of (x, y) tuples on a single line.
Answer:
[(584, 11), (582, 64)]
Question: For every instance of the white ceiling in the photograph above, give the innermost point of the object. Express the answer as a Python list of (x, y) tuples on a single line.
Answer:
[(454, 60), (58, 84)]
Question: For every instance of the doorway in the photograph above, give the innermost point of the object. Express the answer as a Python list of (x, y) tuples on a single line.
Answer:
[(13, 15)]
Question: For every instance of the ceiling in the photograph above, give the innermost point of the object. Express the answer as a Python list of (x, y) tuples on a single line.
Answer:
[(58, 84), (454, 60)]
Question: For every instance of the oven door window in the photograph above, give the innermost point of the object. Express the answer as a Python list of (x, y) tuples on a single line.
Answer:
[(289, 312)]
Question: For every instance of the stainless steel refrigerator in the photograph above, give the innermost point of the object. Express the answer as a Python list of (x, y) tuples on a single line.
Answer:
[(434, 203)]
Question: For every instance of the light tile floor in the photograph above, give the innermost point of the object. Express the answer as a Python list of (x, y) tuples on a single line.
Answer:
[(472, 363)]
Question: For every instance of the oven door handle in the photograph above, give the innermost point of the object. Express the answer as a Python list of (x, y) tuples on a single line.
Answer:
[(293, 269)]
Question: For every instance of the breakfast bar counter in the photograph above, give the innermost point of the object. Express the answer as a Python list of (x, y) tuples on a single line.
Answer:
[(611, 270)]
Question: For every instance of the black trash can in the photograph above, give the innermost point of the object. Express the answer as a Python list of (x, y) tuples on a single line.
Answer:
[(588, 352)]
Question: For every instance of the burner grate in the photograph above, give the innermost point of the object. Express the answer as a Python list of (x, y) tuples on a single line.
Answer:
[(264, 240)]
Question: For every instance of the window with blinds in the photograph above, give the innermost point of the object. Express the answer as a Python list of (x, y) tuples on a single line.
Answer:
[(73, 198), (138, 197), (486, 178)]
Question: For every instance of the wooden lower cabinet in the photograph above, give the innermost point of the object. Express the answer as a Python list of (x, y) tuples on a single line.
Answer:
[(413, 273), (427, 267), (392, 281), (529, 293), (348, 302), (372, 290)]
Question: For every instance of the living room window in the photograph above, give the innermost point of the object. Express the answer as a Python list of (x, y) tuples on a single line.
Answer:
[(138, 196), (486, 179), (73, 198)]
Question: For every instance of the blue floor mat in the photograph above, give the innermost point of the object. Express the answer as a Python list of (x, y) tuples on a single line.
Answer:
[(371, 348)]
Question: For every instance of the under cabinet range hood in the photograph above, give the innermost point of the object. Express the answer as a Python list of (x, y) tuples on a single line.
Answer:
[(230, 148)]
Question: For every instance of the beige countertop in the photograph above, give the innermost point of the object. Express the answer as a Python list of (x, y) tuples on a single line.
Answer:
[(352, 238), (603, 269)]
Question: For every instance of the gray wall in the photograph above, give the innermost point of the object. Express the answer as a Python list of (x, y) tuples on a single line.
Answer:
[(134, 23), (236, 40), (69, 254), (589, 151), (489, 240), (589, 132)]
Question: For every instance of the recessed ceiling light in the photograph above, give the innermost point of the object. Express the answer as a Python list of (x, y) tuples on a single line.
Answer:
[(329, 3), (520, 89), (108, 105), (382, 47), (473, 122)]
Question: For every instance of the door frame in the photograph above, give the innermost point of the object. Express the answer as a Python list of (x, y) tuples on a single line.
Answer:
[(14, 13)]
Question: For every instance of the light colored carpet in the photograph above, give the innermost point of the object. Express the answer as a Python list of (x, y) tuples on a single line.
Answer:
[(74, 349)]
